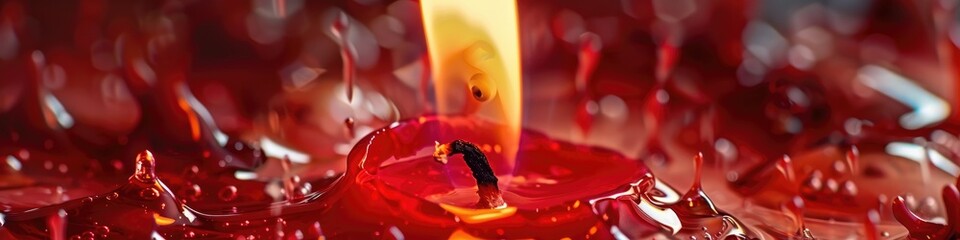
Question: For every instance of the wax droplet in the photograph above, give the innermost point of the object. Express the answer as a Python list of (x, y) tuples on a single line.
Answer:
[(848, 189), (149, 193), (144, 167), (349, 124), (785, 167), (227, 193), (813, 184), (839, 167), (586, 110), (832, 186), (588, 57), (695, 202), (193, 192), (112, 196), (56, 224), (666, 60), (794, 208), (870, 224), (482, 87), (698, 171), (853, 159), (292, 189), (347, 52), (102, 231)]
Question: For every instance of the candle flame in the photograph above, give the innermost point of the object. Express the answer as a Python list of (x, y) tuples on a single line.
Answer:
[(474, 47)]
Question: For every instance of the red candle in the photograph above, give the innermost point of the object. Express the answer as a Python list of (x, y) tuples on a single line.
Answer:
[(394, 186), (809, 129)]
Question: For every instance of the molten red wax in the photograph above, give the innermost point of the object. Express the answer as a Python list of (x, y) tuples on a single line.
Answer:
[(683, 90), (393, 188)]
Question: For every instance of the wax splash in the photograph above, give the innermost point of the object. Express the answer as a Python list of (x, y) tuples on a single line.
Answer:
[(841, 181), (294, 189), (691, 215), (695, 202), (927, 229), (794, 209), (144, 171), (133, 210), (588, 55), (348, 52), (216, 172)]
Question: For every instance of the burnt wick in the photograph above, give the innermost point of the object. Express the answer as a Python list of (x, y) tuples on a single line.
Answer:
[(487, 188)]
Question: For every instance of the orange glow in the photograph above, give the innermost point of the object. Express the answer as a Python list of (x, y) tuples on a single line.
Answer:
[(472, 216), (459, 234), (474, 48), (192, 117), (161, 220)]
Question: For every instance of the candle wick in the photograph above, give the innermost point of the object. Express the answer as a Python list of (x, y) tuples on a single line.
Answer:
[(490, 196)]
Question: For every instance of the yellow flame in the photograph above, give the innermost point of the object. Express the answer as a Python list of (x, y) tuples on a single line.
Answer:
[(476, 43)]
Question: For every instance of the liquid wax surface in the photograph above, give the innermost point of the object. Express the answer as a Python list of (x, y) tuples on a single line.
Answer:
[(193, 87), (551, 201)]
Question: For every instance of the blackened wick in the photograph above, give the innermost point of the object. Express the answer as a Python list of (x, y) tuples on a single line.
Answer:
[(487, 188)]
